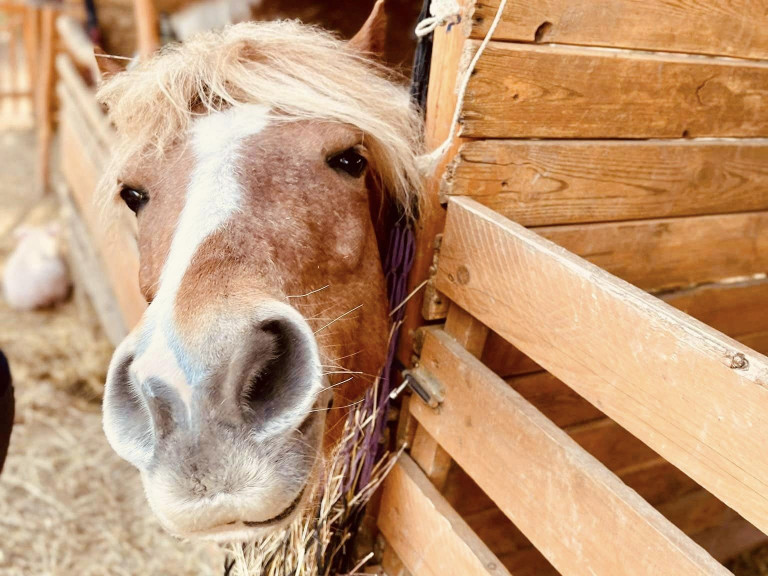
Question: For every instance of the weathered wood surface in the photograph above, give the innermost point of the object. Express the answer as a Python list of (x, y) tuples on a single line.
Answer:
[(441, 103), (85, 99), (557, 401), (84, 152), (433, 460), (428, 536), (665, 487), (696, 396), (727, 27), (738, 309), (532, 91), (553, 490), (88, 269), (539, 183), (671, 252)]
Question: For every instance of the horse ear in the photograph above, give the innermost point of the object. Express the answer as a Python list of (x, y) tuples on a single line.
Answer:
[(372, 37), (107, 65)]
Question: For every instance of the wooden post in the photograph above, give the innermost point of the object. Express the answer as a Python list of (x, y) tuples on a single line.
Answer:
[(447, 49), (44, 96), (426, 452), (31, 46), (146, 27), (13, 68)]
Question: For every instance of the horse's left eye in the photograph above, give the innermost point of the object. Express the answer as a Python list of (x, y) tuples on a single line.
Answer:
[(349, 161), (133, 198)]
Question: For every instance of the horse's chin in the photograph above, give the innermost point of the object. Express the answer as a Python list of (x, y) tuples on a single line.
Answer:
[(250, 531)]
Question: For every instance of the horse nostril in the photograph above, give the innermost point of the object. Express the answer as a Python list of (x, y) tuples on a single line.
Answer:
[(281, 372), (273, 349), (127, 423)]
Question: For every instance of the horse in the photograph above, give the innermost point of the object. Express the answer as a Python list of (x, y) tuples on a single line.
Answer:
[(259, 162)]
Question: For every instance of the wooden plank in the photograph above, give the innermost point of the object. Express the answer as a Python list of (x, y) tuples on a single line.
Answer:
[(88, 270), (611, 444), (674, 252), (44, 103), (730, 539), (119, 258), (76, 42), (681, 501), (738, 309), (431, 458), (551, 182), (694, 395), (466, 330), (447, 47), (85, 98), (732, 27), (521, 90), (31, 43), (147, 27), (557, 401), (391, 564), (697, 511), (506, 360), (657, 481), (553, 491), (426, 533)]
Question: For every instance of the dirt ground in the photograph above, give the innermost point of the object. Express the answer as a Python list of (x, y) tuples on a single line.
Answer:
[(68, 504)]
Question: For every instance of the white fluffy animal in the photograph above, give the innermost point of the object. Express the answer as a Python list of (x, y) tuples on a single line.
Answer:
[(36, 274)]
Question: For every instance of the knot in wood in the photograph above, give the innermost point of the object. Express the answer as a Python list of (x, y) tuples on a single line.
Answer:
[(739, 361), (462, 275)]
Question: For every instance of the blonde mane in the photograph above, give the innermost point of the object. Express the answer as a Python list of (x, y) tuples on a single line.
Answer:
[(299, 72)]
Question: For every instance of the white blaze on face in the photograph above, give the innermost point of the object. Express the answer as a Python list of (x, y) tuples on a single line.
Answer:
[(214, 195)]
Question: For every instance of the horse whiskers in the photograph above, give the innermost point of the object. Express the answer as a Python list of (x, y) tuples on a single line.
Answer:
[(337, 407), (345, 357), (310, 293), (348, 312), (337, 384)]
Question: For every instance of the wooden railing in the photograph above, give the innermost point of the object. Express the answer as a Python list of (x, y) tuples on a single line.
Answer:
[(600, 389)]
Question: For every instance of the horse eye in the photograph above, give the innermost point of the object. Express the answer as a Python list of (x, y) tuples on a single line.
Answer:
[(133, 198), (349, 161)]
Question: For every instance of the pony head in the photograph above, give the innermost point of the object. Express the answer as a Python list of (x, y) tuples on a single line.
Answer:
[(257, 160)]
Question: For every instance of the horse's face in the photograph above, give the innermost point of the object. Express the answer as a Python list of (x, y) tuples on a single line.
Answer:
[(260, 262)]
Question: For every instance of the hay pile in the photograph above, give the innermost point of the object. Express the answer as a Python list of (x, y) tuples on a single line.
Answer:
[(321, 542)]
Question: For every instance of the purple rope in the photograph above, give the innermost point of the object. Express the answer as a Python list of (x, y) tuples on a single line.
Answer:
[(397, 266)]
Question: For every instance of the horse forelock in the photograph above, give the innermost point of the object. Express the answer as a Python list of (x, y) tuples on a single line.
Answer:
[(298, 72)]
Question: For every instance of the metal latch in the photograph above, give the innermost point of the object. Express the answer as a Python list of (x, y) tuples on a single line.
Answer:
[(425, 386)]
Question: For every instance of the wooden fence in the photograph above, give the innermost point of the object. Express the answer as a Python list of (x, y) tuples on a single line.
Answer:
[(596, 307)]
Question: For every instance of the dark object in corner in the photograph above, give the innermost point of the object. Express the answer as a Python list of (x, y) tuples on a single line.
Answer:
[(6, 407)]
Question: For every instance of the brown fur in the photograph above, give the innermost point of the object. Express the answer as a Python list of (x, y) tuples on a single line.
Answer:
[(303, 234)]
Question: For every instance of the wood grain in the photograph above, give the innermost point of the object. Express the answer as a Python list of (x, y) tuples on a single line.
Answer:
[(727, 27), (557, 401), (694, 395), (552, 182), (673, 252), (678, 498), (448, 45), (738, 309), (431, 458), (83, 154), (553, 491), (531, 91), (428, 536)]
